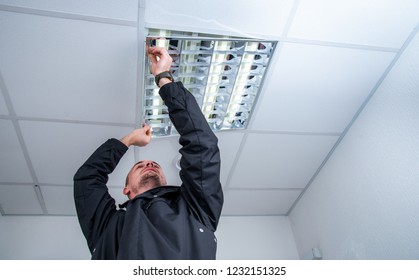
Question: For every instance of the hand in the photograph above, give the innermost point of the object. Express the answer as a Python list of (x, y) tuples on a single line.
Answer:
[(138, 137), (160, 60)]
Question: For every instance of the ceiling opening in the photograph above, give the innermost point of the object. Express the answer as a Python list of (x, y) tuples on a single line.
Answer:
[(224, 74)]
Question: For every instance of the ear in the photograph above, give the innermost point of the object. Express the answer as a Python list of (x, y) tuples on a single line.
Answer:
[(125, 191)]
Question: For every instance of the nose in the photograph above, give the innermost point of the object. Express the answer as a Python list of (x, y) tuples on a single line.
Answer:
[(150, 164)]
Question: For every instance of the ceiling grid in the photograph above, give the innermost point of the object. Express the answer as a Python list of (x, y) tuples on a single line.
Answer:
[(22, 144), (64, 15), (257, 105), (359, 111), (298, 121)]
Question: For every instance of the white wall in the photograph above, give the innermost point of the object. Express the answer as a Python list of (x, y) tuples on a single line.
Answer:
[(255, 238), (42, 238), (365, 202), (48, 238)]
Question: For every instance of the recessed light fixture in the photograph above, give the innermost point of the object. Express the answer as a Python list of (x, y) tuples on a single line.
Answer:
[(224, 74)]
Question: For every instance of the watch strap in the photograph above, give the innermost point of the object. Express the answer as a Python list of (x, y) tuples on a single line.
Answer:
[(165, 74)]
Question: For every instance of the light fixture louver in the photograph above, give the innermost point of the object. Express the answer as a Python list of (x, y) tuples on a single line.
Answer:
[(224, 75)]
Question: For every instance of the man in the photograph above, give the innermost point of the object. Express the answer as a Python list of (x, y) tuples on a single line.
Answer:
[(160, 221)]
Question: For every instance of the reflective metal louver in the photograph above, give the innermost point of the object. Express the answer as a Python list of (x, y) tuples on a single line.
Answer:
[(225, 76)]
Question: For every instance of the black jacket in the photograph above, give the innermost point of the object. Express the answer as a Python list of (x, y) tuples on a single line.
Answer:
[(166, 222)]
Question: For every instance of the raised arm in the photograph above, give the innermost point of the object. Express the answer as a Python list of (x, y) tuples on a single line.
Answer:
[(94, 206), (200, 162)]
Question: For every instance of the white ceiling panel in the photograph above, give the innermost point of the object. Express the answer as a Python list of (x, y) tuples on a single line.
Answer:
[(57, 150), (71, 71), (3, 107), (259, 202), (117, 194), (98, 8), (280, 161), (58, 200), (228, 143), (13, 167), (118, 176), (264, 17), (74, 70), (372, 22), (19, 200), (318, 88)]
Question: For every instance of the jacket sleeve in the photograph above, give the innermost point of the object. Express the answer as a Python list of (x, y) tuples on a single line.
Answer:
[(94, 205), (200, 161)]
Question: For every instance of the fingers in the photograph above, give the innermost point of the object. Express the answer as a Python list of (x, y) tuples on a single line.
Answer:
[(141, 136), (153, 53), (160, 60), (147, 130), (152, 57), (138, 137), (157, 51)]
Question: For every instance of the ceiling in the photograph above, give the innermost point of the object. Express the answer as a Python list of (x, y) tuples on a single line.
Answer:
[(70, 78)]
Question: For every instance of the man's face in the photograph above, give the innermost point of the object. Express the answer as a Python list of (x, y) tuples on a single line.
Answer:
[(144, 175)]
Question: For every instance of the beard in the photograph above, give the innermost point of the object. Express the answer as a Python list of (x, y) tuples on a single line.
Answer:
[(150, 180), (146, 182)]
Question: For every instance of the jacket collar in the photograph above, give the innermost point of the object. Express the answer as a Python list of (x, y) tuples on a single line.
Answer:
[(150, 194)]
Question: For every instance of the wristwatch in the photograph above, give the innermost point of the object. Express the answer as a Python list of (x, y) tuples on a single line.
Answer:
[(165, 74)]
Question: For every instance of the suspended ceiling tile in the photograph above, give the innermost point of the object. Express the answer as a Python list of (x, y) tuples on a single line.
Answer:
[(98, 8), (280, 161), (13, 167), (262, 17), (378, 23), (73, 70), (117, 194), (119, 175), (318, 88), (258, 202), (57, 150), (3, 107), (58, 200), (19, 200), (228, 143)]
